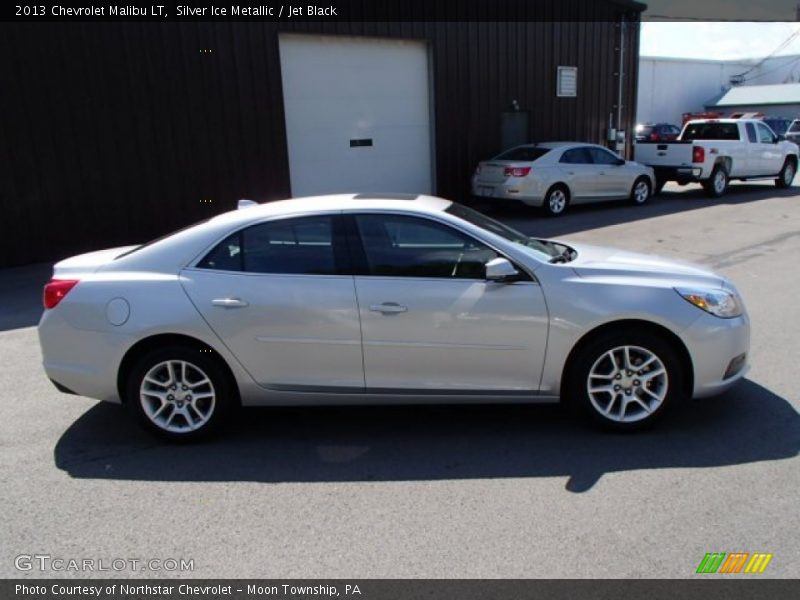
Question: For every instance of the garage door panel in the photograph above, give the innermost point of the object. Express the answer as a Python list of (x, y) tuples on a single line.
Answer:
[(338, 89)]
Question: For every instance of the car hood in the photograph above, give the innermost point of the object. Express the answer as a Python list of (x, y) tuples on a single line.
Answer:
[(600, 261)]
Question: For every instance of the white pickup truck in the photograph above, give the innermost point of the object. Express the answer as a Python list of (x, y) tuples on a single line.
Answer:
[(714, 151)]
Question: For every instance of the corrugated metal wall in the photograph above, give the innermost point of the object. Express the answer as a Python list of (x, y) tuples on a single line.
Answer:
[(115, 133)]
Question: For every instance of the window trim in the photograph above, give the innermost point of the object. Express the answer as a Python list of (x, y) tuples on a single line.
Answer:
[(358, 255), (342, 260)]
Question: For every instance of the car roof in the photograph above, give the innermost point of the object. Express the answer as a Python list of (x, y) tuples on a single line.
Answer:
[(555, 145), (334, 202)]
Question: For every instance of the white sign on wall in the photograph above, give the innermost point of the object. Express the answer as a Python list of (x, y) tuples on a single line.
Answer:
[(567, 82)]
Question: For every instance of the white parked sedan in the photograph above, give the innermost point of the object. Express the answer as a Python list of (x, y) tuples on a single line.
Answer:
[(554, 175), (354, 299)]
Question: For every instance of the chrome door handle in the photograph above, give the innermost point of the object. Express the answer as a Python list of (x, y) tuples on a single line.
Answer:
[(388, 308), (229, 302)]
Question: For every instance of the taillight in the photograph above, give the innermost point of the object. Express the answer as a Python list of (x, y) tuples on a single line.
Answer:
[(56, 290), (654, 137), (516, 171), (698, 154)]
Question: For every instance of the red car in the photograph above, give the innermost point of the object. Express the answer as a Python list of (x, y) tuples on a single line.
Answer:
[(657, 132)]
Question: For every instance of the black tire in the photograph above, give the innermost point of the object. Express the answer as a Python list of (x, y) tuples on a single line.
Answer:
[(626, 396), (640, 192), (207, 414), (556, 200), (716, 185), (786, 176), (660, 183)]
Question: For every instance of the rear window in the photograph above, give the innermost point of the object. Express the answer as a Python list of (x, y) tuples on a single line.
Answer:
[(523, 153), (711, 131)]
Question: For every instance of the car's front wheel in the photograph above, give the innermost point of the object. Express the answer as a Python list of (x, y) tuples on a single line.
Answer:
[(179, 393), (624, 380)]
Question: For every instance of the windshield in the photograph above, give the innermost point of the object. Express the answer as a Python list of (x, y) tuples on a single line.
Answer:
[(544, 250), (794, 127)]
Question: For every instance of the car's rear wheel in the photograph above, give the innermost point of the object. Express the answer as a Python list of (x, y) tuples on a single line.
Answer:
[(180, 392), (640, 192), (717, 184), (556, 200), (624, 380), (786, 176)]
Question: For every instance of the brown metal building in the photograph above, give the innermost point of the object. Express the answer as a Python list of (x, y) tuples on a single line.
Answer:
[(114, 133)]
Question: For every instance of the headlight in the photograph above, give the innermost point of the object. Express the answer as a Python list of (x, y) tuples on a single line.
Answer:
[(720, 303)]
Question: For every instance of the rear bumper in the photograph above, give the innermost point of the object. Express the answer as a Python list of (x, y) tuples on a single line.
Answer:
[(681, 174), (81, 362), (507, 191)]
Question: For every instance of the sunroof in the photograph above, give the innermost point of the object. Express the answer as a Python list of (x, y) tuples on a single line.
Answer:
[(386, 196)]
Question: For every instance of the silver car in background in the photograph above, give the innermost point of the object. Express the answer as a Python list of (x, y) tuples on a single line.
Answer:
[(355, 299), (554, 175)]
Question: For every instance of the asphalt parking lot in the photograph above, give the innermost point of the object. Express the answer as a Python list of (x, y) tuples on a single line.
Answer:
[(436, 491)]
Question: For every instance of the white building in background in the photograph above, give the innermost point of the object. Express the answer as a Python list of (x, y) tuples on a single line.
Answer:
[(669, 87)]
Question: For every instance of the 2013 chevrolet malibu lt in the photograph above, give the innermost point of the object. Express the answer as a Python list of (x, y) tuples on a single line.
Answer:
[(354, 299)]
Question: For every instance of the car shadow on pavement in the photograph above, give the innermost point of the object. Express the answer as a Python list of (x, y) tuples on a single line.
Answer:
[(534, 222), (747, 424)]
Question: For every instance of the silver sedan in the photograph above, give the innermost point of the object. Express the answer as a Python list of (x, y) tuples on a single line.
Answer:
[(556, 174), (355, 299)]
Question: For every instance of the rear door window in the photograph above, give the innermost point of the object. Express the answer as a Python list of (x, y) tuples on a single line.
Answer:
[(576, 156), (603, 157), (751, 133), (302, 246)]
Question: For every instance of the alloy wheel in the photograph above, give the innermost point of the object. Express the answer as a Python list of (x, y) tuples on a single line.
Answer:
[(641, 192), (557, 201), (627, 384), (177, 396)]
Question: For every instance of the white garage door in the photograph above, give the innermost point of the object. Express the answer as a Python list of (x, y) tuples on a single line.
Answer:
[(357, 114)]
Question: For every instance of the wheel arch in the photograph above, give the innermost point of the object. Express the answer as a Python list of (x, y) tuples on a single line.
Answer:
[(152, 342), (637, 325), (726, 162)]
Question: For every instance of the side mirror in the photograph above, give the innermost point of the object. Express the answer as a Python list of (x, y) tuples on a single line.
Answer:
[(780, 138), (500, 270), (621, 162)]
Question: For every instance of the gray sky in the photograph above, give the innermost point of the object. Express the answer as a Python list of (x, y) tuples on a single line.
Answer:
[(717, 40)]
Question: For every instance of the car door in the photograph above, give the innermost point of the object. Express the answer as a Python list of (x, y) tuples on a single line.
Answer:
[(278, 296), (581, 175), (617, 178), (431, 322), (771, 153), (754, 163)]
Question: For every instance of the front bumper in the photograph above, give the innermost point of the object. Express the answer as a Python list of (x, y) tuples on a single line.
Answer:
[(720, 352)]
